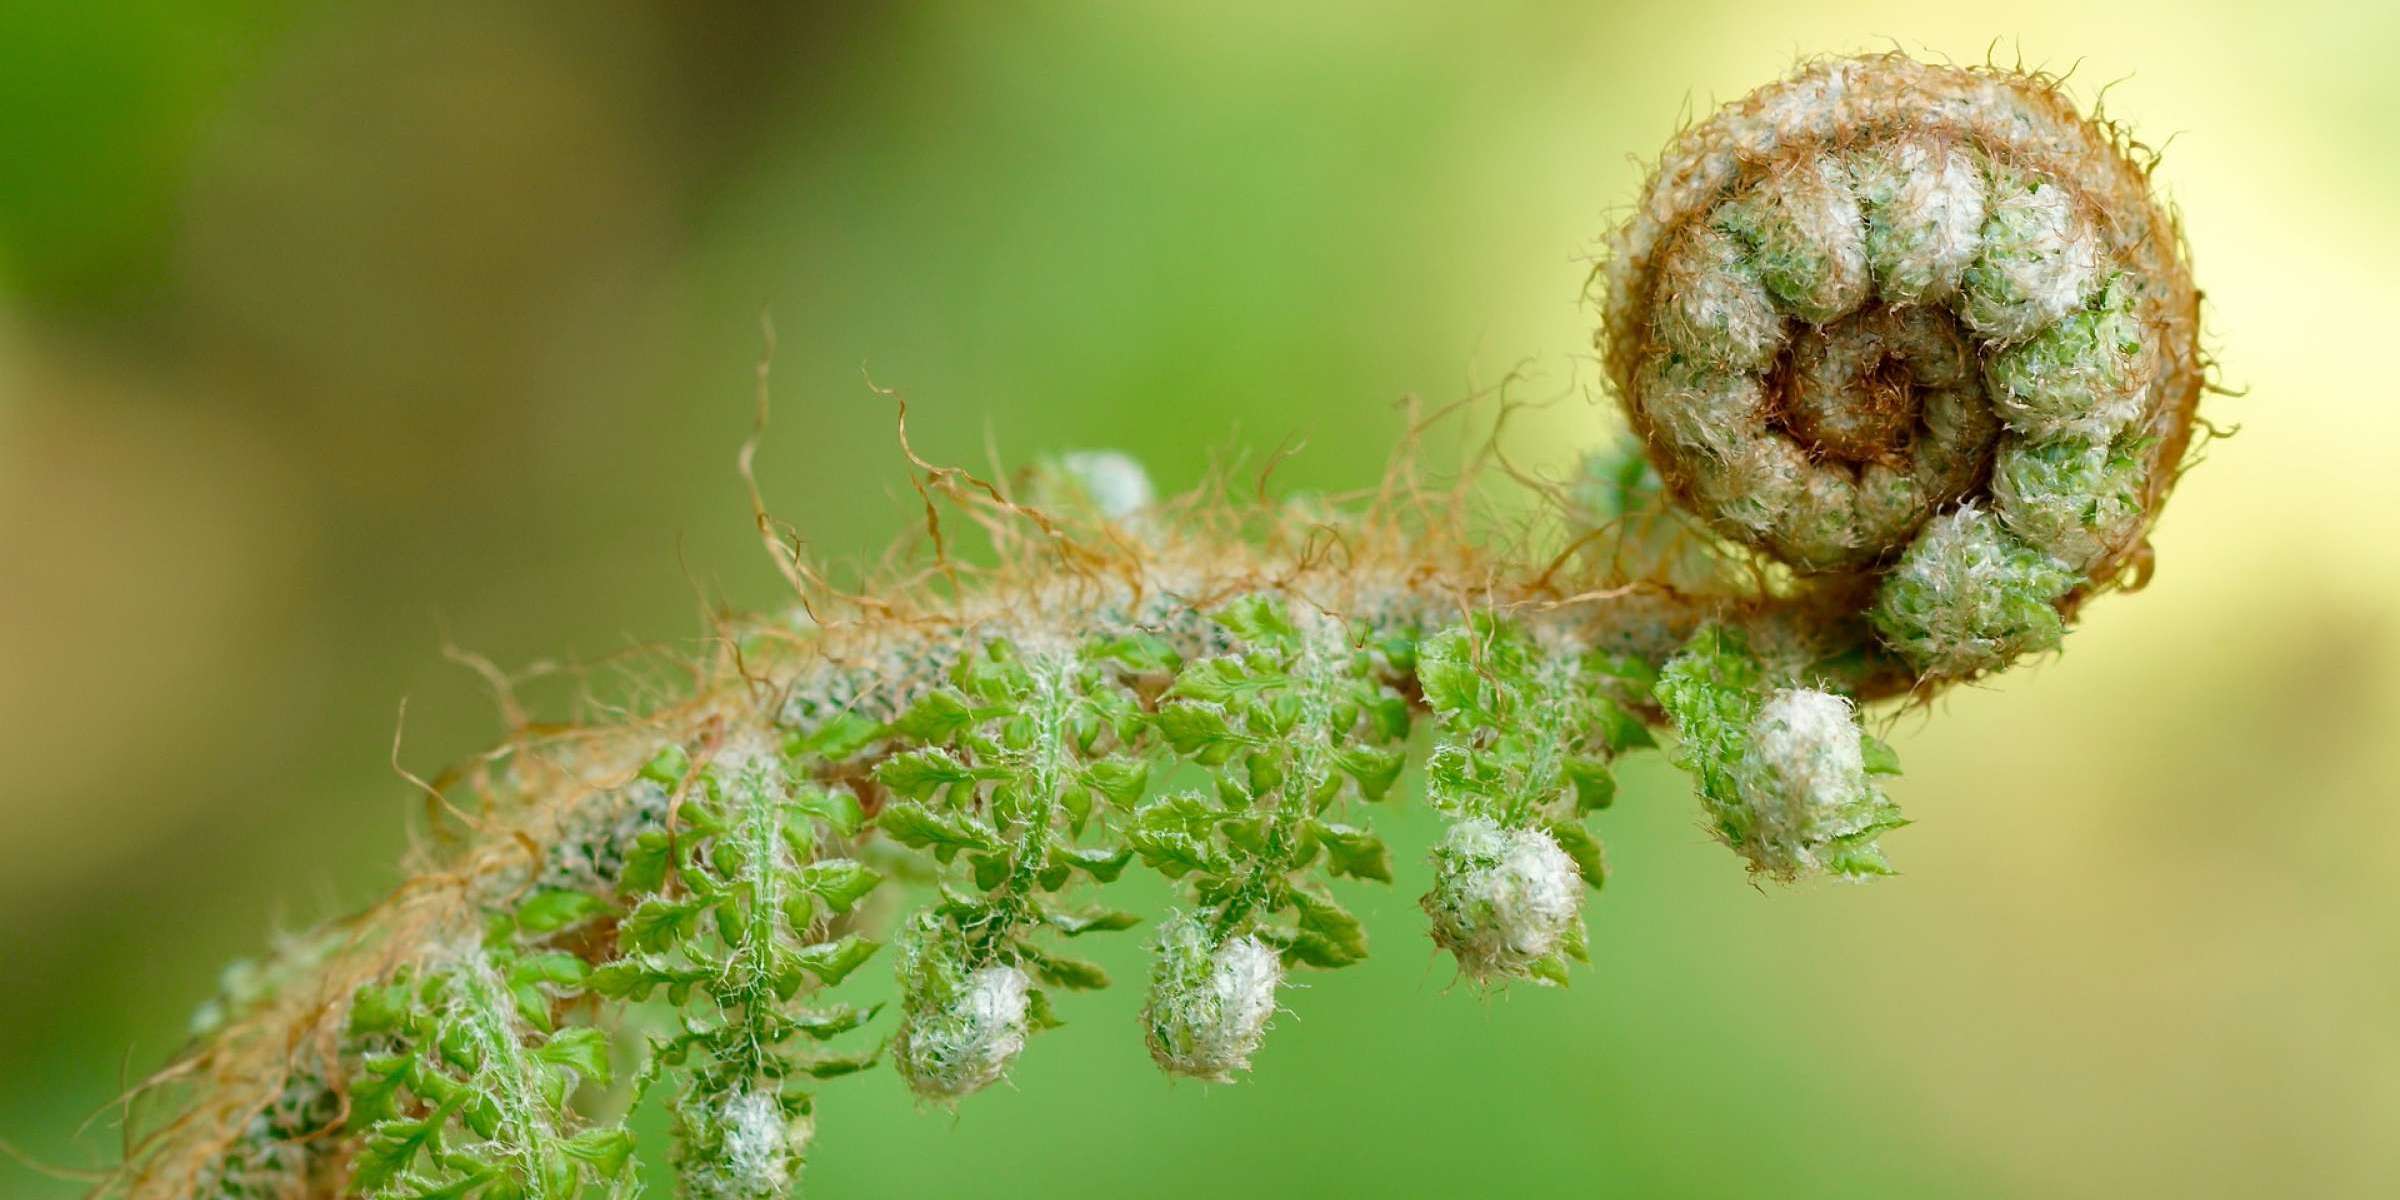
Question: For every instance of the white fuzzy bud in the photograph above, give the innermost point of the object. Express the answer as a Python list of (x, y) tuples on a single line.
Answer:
[(1209, 1003), (1969, 596), (742, 1146), (968, 1045), (1503, 899), (1803, 781), (1108, 482)]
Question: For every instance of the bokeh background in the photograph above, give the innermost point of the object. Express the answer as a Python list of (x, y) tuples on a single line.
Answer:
[(332, 334)]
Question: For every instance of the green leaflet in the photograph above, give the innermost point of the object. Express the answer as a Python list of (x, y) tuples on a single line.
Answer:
[(2041, 333), (1524, 735), (1785, 774), (733, 931), (1711, 692), (462, 1090), (1001, 771), (1294, 720)]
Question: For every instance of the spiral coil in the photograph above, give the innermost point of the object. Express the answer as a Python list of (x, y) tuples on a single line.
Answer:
[(1920, 334), (1914, 319)]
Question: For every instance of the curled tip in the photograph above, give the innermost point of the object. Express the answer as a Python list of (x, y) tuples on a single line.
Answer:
[(1210, 1001), (1803, 777), (742, 1145), (1903, 318), (968, 1045), (963, 1027), (1505, 901), (1969, 597), (1786, 774)]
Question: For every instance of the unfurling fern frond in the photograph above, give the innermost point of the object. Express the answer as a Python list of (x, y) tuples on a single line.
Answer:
[(1909, 357)]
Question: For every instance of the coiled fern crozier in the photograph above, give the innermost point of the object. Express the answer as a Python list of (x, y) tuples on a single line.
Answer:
[(1911, 354)]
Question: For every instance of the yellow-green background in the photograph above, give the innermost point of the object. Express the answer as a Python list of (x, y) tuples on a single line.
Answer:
[(326, 333)]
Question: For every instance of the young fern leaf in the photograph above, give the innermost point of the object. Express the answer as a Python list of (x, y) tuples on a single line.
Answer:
[(1011, 757), (1785, 773), (464, 1081), (1524, 734), (1910, 357), (731, 904), (1290, 722)]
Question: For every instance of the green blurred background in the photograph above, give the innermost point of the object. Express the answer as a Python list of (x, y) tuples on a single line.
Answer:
[(328, 333)]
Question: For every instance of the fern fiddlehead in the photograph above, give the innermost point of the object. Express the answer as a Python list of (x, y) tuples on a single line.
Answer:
[(1913, 344), (1891, 314)]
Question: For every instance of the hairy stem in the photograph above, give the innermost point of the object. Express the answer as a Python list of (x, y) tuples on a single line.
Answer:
[(1909, 357)]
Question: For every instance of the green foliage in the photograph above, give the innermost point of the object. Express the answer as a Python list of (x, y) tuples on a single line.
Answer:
[(1023, 777), (1786, 774), (1524, 734), (1210, 999), (1896, 364), (463, 1091), (1296, 719), (2073, 499), (729, 928), (1711, 692), (1004, 768), (1025, 774), (1506, 902), (2082, 376), (965, 1012), (1968, 596)]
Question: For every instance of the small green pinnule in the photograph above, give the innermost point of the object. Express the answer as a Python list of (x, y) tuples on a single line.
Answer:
[(2041, 256), (2083, 375), (1806, 237), (962, 1025), (2077, 501), (1716, 312), (1211, 998), (746, 1144), (1924, 201), (1969, 597), (1785, 772), (1503, 899)]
